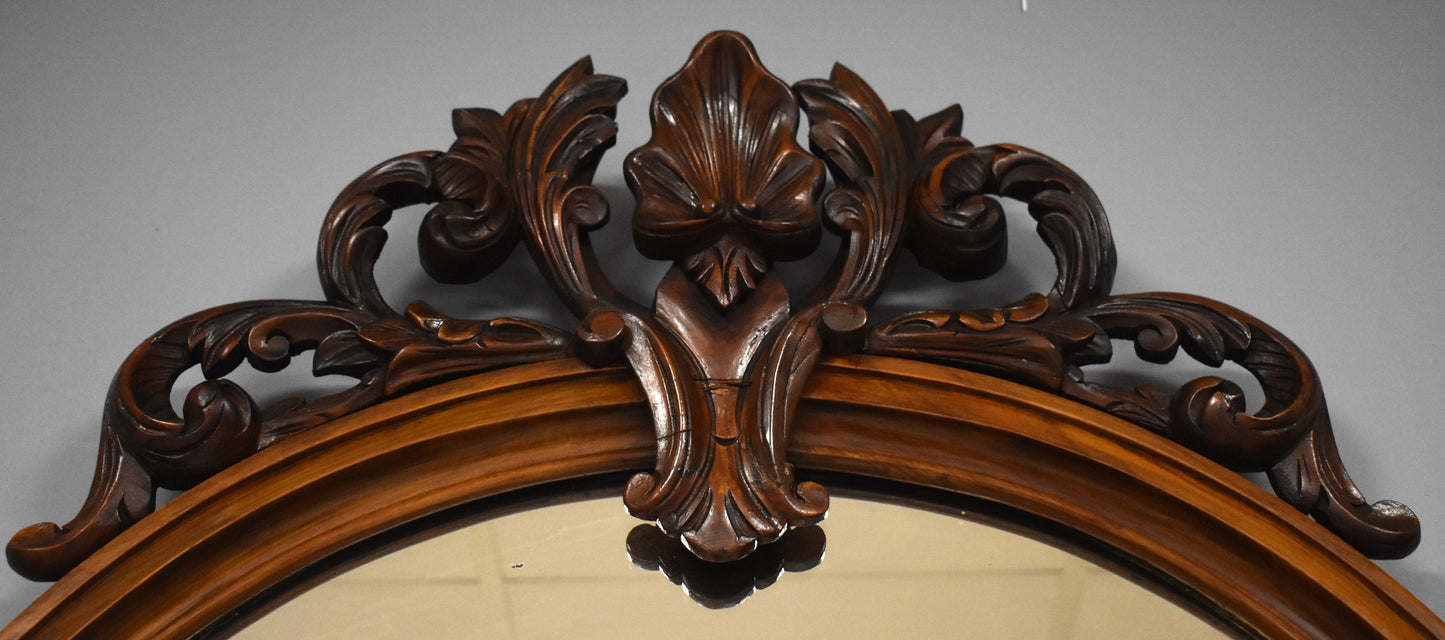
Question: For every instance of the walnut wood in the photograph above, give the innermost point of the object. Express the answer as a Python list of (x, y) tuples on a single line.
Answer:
[(1271, 569), (723, 354)]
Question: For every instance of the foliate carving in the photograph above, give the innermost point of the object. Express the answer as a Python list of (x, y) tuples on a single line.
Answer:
[(723, 187), (474, 227), (723, 191), (850, 127), (427, 345), (477, 219)]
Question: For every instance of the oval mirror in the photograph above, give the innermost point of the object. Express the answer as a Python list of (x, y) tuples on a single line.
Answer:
[(890, 571), (723, 405)]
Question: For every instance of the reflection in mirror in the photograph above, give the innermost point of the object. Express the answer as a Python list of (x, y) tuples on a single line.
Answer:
[(565, 572), (719, 585)]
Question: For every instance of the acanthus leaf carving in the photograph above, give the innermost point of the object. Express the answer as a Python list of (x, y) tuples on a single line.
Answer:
[(146, 445), (473, 228), (958, 230), (723, 190), (1019, 341), (858, 137), (557, 140), (456, 347)]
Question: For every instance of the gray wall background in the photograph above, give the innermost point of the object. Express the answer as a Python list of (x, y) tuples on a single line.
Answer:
[(159, 158)]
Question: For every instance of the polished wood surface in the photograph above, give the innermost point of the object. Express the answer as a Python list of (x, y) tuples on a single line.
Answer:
[(1246, 556), (737, 382)]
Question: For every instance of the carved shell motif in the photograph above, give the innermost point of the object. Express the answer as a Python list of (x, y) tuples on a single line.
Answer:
[(723, 190), (722, 186)]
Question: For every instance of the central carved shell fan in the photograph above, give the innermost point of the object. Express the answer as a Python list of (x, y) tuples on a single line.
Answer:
[(723, 191)]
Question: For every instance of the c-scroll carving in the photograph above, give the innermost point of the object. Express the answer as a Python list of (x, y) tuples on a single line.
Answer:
[(471, 228), (724, 191), (1047, 340)]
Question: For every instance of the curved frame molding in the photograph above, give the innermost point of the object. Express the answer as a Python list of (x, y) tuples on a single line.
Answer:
[(1271, 569), (719, 390)]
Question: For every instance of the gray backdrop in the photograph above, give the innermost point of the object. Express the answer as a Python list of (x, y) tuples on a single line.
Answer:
[(160, 158)]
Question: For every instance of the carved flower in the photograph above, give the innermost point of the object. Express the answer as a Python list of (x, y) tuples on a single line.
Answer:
[(723, 186)]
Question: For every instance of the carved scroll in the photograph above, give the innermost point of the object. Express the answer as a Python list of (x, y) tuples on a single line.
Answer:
[(723, 191)]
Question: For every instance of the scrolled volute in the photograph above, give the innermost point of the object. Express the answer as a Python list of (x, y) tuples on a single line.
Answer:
[(724, 191)]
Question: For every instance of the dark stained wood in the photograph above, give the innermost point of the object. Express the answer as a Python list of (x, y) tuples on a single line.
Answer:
[(723, 355), (1272, 570), (723, 189)]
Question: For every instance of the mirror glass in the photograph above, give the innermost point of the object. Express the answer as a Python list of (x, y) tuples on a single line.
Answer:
[(573, 571)]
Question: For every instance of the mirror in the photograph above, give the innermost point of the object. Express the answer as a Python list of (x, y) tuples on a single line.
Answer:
[(563, 572), (715, 393)]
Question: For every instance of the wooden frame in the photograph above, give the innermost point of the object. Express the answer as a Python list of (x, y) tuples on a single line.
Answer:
[(727, 387), (1274, 571)]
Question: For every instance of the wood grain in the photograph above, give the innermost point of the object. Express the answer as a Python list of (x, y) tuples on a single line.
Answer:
[(724, 355), (1245, 555)]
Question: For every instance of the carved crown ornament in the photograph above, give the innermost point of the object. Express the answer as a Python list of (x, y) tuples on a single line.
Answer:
[(723, 190)]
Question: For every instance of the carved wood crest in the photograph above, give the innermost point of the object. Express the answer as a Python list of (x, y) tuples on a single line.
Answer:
[(723, 191)]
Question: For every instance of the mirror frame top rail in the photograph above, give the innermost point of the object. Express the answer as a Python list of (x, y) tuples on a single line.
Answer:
[(1272, 571), (716, 392)]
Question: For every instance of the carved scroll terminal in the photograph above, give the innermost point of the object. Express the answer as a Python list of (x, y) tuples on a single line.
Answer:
[(724, 191)]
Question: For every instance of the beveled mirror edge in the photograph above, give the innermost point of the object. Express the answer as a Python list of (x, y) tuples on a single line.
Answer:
[(1259, 561), (607, 488)]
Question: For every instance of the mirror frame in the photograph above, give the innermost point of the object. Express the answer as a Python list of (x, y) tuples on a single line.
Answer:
[(1243, 553), (716, 393)]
